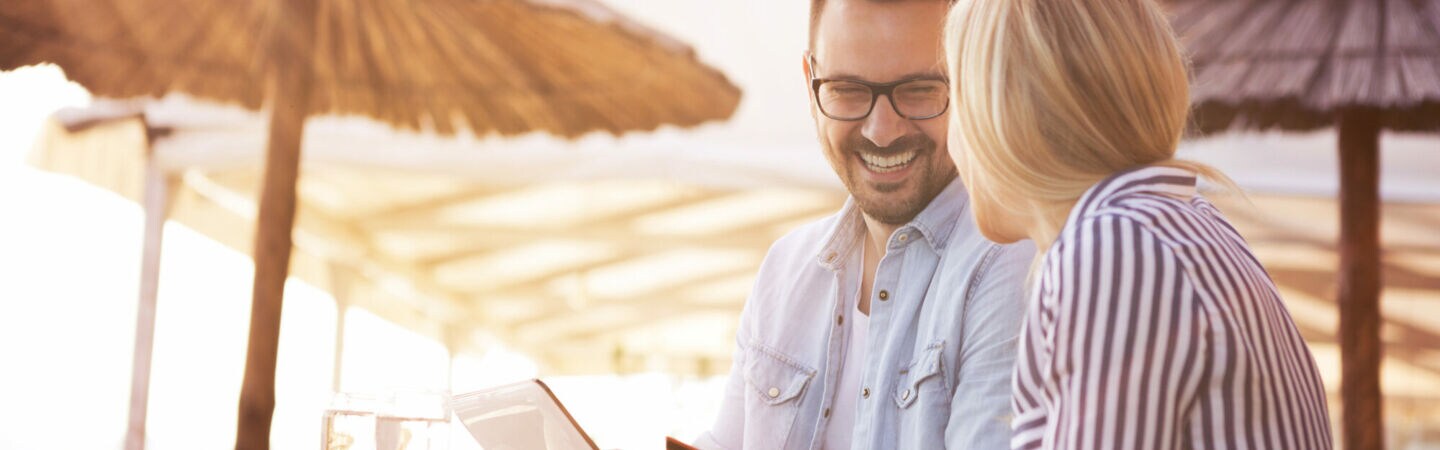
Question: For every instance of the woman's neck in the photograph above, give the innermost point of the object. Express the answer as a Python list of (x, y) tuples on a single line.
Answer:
[(1043, 225)]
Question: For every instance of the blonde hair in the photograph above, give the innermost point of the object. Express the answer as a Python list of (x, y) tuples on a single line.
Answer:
[(1050, 97)]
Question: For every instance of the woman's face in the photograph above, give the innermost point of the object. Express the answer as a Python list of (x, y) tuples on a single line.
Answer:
[(994, 214)]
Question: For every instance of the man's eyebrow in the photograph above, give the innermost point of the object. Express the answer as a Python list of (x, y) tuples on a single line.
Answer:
[(911, 75)]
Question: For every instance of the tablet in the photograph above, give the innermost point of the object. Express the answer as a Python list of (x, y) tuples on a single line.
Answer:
[(520, 416)]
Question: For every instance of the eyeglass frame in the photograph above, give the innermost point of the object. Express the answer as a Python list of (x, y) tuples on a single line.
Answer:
[(876, 90)]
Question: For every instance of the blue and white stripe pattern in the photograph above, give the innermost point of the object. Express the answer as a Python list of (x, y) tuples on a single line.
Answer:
[(1152, 326)]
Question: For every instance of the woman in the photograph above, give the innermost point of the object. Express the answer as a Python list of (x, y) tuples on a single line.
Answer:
[(1151, 326)]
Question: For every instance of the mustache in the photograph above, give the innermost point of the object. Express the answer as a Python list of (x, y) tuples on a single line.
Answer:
[(916, 141)]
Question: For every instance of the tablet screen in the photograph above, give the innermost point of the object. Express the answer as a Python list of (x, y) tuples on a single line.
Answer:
[(520, 416)]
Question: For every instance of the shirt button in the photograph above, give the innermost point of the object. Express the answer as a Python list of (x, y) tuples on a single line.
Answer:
[(826, 414), (865, 393), (830, 257), (905, 395), (840, 320), (884, 295), (904, 237), (774, 392)]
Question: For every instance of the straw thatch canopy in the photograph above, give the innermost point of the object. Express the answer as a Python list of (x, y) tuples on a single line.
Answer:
[(1290, 64), (509, 66)]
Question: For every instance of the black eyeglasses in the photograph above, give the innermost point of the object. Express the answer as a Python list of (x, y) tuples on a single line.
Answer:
[(916, 98)]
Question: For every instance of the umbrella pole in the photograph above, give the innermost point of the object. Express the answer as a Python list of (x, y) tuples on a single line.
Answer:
[(292, 76), (1359, 290), (272, 263), (159, 188)]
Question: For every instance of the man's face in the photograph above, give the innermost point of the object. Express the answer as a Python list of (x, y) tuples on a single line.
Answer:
[(892, 166)]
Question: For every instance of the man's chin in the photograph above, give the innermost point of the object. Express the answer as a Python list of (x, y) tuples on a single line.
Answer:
[(890, 208), (895, 203), (896, 189)]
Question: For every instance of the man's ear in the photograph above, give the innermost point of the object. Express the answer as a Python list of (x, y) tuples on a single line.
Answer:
[(806, 70)]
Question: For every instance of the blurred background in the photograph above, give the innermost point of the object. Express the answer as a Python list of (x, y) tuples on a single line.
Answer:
[(614, 267)]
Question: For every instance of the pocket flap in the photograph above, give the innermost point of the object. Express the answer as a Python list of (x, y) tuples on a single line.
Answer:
[(929, 364), (775, 377)]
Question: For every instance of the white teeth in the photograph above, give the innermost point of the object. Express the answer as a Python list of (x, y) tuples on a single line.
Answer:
[(887, 163)]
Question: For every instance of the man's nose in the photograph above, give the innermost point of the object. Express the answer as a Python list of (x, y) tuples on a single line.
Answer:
[(883, 126)]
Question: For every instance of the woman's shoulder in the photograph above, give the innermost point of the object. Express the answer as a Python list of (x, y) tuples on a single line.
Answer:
[(1165, 216), (1170, 226), (1129, 222), (1131, 239)]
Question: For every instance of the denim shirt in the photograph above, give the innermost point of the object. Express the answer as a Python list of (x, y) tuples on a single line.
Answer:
[(945, 311)]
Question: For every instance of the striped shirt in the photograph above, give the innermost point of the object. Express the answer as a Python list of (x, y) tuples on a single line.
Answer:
[(1152, 326)]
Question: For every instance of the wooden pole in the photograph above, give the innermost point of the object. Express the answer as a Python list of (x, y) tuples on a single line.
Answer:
[(340, 290), (1359, 273), (159, 192), (292, 50)]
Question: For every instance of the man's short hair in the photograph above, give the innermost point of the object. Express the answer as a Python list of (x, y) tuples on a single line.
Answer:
[(817, 6)]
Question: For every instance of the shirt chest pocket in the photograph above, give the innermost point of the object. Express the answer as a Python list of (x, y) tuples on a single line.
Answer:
[(774, 386), (923, 377)]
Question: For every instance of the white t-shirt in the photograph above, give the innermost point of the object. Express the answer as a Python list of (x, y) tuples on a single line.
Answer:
[(852, 372)]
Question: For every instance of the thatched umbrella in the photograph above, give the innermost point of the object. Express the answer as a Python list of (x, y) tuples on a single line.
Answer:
[(500, 66), (1361, 66)]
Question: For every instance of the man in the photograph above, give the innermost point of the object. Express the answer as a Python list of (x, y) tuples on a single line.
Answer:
[(893, 323)]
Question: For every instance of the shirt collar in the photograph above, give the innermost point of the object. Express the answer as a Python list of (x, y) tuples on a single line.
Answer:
[(935, 224), (1171, 181)]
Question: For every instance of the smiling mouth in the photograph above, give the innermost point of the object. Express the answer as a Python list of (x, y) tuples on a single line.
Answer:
[(888, 163)]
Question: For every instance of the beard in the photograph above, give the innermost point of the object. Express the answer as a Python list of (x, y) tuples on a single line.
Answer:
[(896, 202)]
